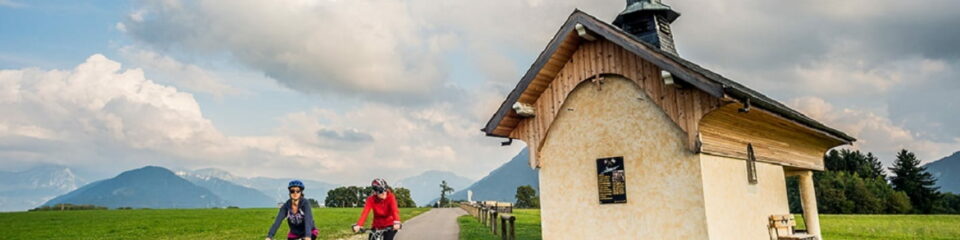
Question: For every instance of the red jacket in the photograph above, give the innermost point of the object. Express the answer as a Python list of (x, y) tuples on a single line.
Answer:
[(385, 211)]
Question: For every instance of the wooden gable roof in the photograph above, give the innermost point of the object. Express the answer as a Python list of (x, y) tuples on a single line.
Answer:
[(566, 41)]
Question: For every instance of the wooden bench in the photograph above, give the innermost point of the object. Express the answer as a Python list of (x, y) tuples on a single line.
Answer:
[(784, 225)]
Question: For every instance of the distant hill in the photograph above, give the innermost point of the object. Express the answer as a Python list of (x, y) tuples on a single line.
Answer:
[(501, 184), (233, 194), (274, 188), (28, 189), (947, 172), (277, 187), (426, 186), (147, 187)]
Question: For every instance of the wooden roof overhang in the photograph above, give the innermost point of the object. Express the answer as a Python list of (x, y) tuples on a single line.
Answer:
[(566, 42)]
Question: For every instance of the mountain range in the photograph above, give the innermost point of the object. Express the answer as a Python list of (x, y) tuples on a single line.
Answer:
[(501, 184), (426, 186), (273, 188), (947, 172), (233, 194), (157, 187), (147, 187), (30, 188)]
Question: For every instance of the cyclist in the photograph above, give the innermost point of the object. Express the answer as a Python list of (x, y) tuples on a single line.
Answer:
[(298, 214), (385, 211)]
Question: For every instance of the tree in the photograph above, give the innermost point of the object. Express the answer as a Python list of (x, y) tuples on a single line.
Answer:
[(527, 197), (832, 194), (898, 203), (338, 197), (444, 189), (891, 201), (833, 161), (351, 196), (853, 183), (313, 202), (915, 181), (845, 160), (874, 168), (360, 194), (842, 192), (865, 199), (403, 198), (949, 203)]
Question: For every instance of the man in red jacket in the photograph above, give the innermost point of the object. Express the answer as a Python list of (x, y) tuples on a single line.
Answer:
[(385, 211)]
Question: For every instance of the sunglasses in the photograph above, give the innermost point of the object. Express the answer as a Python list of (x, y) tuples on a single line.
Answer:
[(295, 191)]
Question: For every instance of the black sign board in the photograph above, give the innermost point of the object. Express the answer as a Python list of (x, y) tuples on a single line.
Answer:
[(611, 180)]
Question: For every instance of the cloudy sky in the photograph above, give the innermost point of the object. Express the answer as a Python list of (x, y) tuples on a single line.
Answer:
[(342, 91)]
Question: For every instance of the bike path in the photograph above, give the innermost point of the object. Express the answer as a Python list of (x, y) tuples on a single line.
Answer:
[(438, 223)]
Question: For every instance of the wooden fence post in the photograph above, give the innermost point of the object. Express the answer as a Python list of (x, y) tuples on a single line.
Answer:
[(508, 232), (483, 214), (503, 228), (493, 223), (513, 228)]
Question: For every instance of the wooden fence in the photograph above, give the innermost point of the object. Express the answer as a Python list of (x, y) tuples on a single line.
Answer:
[(492, 214)]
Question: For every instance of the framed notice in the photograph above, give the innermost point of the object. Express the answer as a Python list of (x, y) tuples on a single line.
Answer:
[(611, 180)]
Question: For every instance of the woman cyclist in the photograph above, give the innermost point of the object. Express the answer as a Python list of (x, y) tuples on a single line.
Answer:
[(298, 214), (385, 211)]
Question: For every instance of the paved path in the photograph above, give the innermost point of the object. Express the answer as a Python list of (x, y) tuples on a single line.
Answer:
[(437, 224)]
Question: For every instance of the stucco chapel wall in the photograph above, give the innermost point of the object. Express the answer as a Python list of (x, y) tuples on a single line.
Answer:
[(663, 183), (735, 208)]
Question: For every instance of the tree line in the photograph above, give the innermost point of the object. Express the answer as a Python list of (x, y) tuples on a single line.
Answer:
[(68, 207), (354, 196), (856, 183)]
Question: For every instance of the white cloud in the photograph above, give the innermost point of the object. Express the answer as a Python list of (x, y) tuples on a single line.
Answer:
[(187, 76), (99, 115), (404, 141), (845, 71), (120, 27), (875, 133), (97, 101), (367, 47), (11, 4), (381, 49)]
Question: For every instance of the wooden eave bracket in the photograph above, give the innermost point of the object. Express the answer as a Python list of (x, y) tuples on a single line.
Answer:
[(669, 80), (746, 106), (584, 33), (524, 110)]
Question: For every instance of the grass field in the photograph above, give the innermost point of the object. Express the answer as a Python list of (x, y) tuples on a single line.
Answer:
[(527, 226), (834, 227), (333, 223)]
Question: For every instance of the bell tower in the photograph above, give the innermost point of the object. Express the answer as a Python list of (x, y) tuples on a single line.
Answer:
[(649, 20)]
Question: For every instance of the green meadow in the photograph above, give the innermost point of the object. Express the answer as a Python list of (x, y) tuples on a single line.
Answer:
[(527, 226), (333, 223), (834, 227)]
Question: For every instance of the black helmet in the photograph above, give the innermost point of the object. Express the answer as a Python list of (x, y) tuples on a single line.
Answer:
[(379, 185)]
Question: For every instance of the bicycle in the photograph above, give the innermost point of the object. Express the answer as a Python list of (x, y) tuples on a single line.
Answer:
[(375, 234)]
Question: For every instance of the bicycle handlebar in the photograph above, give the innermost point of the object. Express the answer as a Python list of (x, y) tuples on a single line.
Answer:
[(367, 230)]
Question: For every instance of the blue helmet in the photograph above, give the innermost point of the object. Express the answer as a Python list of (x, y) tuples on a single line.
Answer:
[(296, 183)]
